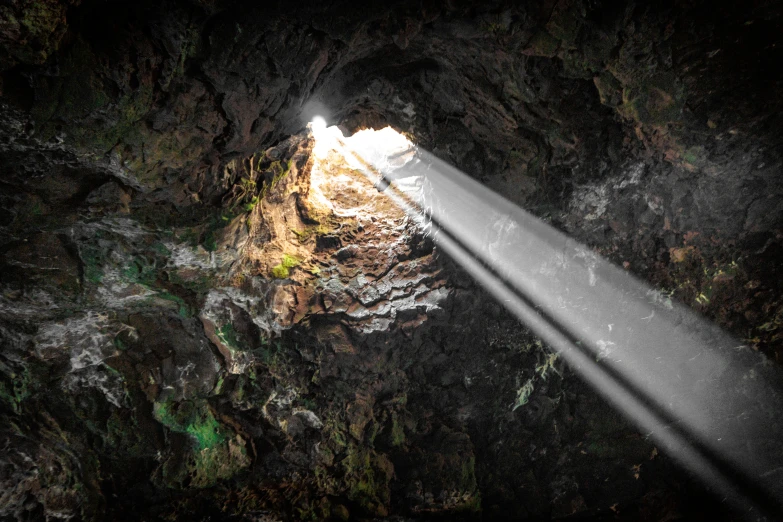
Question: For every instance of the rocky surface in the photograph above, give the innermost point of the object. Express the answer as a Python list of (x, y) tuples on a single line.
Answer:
[(202, 319)]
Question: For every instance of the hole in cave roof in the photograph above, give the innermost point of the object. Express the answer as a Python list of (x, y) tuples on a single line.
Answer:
[(341, 184)]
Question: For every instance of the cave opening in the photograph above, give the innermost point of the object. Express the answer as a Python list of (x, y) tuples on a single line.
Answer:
[(526, 255), (336, 179)]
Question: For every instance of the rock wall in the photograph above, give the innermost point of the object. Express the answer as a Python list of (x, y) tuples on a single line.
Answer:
[(188, 331)]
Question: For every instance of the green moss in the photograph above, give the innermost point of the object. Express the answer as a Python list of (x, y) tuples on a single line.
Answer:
[(36, 209), (215, 463), (495, 28), (270, 353), (92, 264), (219, 386), (282, 271), (210, 242), (771, 331), (119, 344), (188, 49), (228, 336), (523, 394), (359, 472), (335, 429), (166, 415), (307, 513), (161, 249), (468, 474), (194, 418), (216, 454), (189, 236), (290, 261), (14, 387), (41, 21), (217, 223), (321, 229), (130, 109), (695, 156), (278, 172), (397, 431), (249, 206), (140, 271), (366, 475), (308, 404), (153, 152), (207, 434), (182, 308), (548, 364), (301, 234), (246, 201)]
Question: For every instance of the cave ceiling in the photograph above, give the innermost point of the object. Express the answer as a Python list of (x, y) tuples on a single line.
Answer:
[(204, 317)]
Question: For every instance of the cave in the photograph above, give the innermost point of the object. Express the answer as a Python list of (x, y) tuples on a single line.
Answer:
[(212, 309)]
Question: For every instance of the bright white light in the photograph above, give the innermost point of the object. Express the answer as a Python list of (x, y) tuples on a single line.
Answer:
[(385, 149), (336, 184), (318, 123), (326, 138)]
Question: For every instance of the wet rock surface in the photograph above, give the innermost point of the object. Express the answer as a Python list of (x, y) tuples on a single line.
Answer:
[(201, 319)]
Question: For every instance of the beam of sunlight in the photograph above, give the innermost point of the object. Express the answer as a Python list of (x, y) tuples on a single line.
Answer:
[(710, 402)]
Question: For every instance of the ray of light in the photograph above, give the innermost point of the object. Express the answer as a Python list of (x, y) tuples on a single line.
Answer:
[(710, 402)]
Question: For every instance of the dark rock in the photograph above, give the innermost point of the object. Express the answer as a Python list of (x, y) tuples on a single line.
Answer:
[(184, 334)]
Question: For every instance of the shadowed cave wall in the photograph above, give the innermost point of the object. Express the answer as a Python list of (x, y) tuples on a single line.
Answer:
[(184, 334)]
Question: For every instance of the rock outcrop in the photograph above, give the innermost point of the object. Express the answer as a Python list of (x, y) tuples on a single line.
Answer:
[(202, 319)]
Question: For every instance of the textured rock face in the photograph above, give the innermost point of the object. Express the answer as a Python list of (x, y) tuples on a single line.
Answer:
[(200, 319)]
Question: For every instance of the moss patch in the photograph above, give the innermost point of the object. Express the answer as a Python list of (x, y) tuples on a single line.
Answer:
[(282, 270), (397, 437), (216, 453), (194, 418), (228, 336), (367, 477), (14, 386), (274, 174)]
